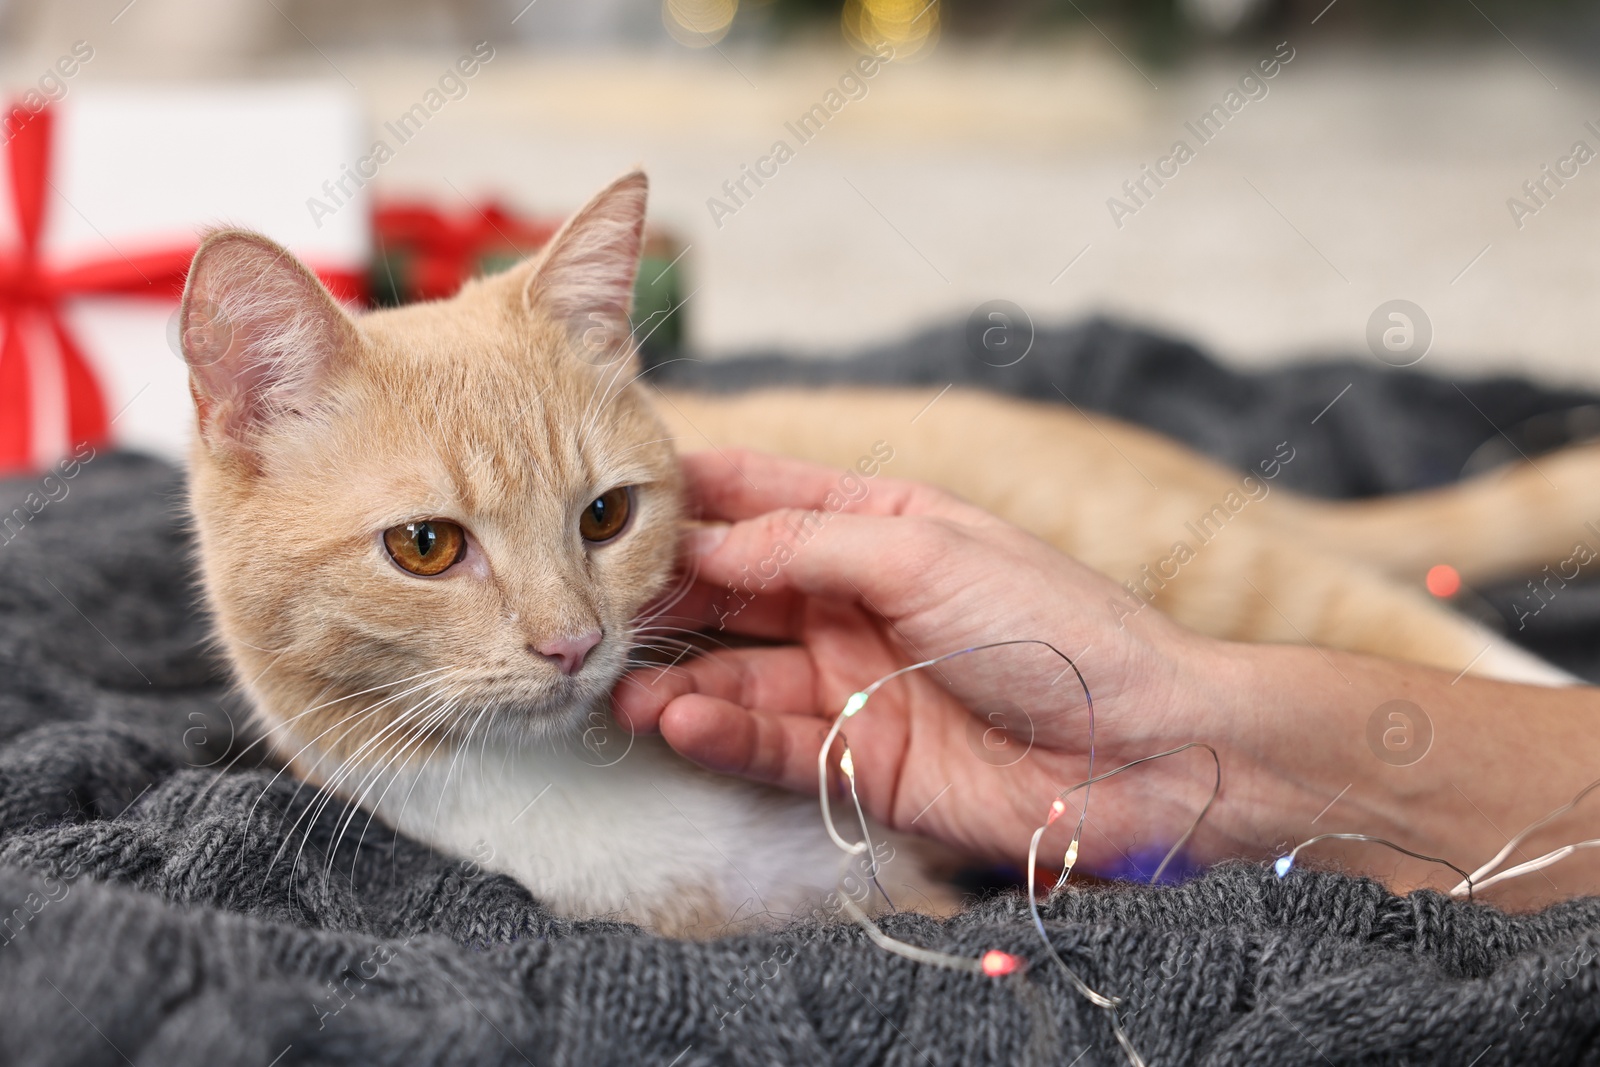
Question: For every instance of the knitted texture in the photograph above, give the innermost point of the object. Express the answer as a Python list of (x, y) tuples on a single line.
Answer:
[(166, 897)]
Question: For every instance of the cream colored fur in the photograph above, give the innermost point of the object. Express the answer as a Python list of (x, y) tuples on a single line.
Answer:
[(1284, 568), (511, 406)]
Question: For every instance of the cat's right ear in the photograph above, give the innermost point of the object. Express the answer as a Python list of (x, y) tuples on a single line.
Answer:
[(259, 332), (584, 278)]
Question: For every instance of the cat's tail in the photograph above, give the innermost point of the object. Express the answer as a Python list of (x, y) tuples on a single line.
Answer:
[(1514, 520)]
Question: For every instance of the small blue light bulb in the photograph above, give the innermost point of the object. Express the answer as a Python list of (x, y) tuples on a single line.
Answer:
[(1284, 865)]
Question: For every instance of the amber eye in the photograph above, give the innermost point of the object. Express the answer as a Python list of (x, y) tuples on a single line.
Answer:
[(606, 515), (426, 548)]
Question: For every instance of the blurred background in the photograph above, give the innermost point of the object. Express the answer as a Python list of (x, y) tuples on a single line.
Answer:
[(1383, 158)]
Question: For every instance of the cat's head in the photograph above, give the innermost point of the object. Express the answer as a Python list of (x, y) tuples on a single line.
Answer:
[(441, 518)]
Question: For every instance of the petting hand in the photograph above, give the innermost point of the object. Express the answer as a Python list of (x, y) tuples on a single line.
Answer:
[(908, 573)]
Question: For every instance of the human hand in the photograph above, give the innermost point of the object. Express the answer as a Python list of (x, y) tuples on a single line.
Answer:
[(905, 574)]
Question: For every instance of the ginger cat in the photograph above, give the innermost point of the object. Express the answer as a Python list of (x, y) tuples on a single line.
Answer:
[(427, 535)]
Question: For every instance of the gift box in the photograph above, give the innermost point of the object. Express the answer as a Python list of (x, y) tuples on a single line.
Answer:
[(108, 194), (424, 253)]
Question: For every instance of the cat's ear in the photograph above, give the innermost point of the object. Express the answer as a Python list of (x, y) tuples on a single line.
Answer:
[(584, 278), (259, 333)]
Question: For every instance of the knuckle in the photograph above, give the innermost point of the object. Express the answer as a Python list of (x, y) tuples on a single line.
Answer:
[(783, 521), (942, 533), (908, 497)]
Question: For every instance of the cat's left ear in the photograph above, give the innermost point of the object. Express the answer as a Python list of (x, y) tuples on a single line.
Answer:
[(584, 278)]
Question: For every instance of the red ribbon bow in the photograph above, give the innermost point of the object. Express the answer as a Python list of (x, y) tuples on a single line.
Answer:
[(445, 250), (33, 292)]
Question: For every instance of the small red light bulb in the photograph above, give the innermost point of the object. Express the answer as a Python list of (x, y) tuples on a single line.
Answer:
[(996, 963), (1444, 581)]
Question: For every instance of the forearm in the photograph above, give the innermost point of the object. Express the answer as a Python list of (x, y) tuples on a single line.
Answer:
[(1313, 744)]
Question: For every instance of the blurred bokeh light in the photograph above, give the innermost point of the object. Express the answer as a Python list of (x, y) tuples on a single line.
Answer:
[(900, 28), (698, 23)]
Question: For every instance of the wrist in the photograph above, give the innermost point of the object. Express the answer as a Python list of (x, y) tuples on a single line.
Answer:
[(1290, 734), (1316, 741)]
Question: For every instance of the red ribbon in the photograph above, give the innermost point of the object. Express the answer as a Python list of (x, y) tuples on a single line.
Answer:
[(445, 250), (33, 291)]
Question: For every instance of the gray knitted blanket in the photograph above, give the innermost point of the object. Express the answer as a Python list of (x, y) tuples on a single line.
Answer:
[(162, 902)]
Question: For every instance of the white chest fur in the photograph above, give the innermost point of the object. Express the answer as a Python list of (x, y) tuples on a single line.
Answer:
[(649, 838)]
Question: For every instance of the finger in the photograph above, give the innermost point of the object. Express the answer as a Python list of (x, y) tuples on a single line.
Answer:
[(780, 680), (741, 607), (723, 608), (891, 566), (719, 613), (723, 736), (733, 484)]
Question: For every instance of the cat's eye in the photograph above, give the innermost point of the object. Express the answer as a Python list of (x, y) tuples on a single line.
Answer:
[(606, 515), (427, 548)]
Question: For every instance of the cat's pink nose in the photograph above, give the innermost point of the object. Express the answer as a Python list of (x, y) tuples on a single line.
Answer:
[(567, 652)]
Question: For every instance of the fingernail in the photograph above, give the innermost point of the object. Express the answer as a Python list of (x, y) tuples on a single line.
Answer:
[(704, 540)]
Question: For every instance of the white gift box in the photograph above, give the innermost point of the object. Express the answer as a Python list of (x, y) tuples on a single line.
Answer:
[(135, 171)]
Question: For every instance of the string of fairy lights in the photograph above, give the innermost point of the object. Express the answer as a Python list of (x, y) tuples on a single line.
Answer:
[(993, 962), (997, 963)]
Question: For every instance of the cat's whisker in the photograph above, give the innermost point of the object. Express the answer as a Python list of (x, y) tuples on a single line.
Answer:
[(591, 412), (645, 622), (684, 583), (676, 653), (399, 817), (621, 453), (665, 630), (643, 664), (318, 704), (660, 639), (444, 714), (310, 816), (661, 633), (356, 761), (483, 747), (664, 658), (451, 769), (603, 384), (668, 362), (420, 735), (288, 724), (673, 598), (350, 722), (266, 735), (285, 832), (409, 729), (651, 630), (268, 651), (313, 809), (335, 788), (370, 709), (684, 650), (646, 646)]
